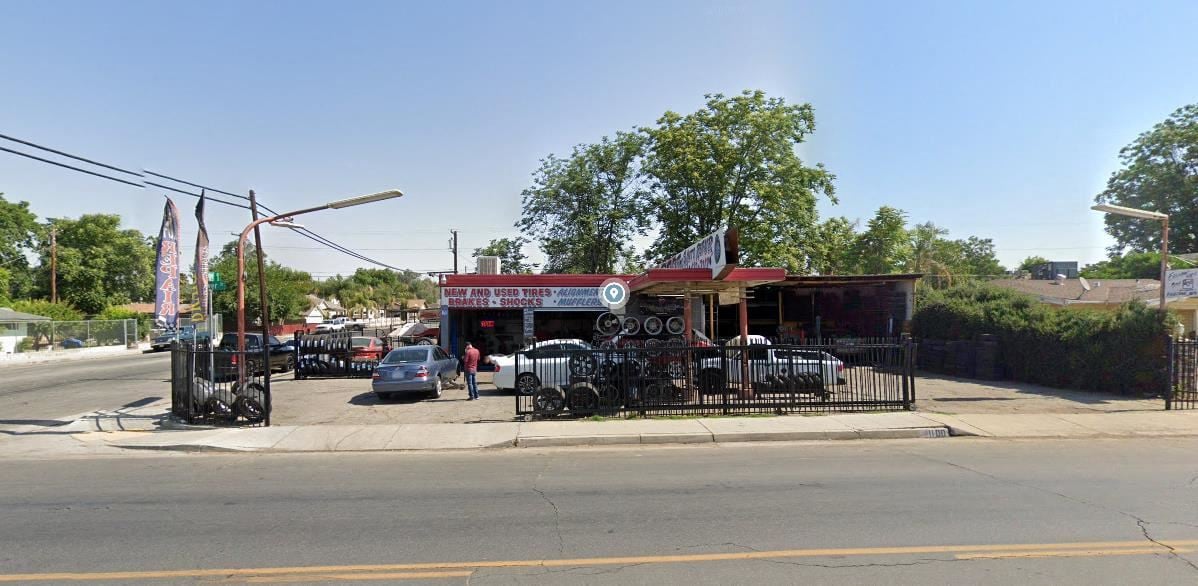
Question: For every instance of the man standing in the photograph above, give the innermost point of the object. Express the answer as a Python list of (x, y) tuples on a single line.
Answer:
[(470, 365)]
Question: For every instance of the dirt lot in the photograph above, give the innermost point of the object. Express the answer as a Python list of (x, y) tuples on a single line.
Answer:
[(350, 402), (943, 394)]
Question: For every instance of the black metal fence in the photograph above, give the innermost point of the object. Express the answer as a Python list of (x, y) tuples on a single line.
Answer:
[(333, 355), (1183, 375), (672, 380), (205, 386)]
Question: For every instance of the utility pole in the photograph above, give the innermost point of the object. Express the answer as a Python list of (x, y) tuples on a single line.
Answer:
[(455, 251), (264, 312), (53, 264)]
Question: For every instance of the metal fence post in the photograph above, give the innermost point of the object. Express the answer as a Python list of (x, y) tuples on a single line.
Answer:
[(1170, 371)]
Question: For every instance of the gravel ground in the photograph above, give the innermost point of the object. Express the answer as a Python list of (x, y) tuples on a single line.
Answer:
[(944, 394)]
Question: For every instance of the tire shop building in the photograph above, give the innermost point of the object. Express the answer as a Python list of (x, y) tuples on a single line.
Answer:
[(702, 285)]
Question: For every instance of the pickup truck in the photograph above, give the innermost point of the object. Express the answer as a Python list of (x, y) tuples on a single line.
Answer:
[(337, 324), (282, 356)]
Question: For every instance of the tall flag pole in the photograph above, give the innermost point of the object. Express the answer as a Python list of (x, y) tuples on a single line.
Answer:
[(166, 285), (201, 261)]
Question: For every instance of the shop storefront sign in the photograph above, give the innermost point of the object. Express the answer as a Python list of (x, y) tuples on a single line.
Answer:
[(1181, 284), (718, 251), (520, 297)]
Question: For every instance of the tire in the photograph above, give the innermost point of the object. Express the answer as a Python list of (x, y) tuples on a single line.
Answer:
[(653, 325), (289, 365), (582, 399), (582, 363), (608, 324), (527, 384), (437, 390), (610, 398), (712, 381), (219, 410), (250, 409), (630, 326), (675, 325), (549, 400)]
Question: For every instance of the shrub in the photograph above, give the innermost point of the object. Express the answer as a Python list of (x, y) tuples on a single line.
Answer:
[(1120, 351), (55, 311)]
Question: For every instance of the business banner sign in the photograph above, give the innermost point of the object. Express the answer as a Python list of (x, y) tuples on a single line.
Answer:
[(520, 297), (718, 252), (1181, 284), (201, 260), (166, 284)]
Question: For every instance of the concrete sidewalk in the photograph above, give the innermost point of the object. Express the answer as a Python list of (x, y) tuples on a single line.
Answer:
[(433, 436)]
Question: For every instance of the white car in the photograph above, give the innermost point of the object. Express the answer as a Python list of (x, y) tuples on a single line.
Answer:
[(784, 369), (550, 368)]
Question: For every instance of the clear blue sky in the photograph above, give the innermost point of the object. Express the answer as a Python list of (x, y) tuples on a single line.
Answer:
[(1000, 120)]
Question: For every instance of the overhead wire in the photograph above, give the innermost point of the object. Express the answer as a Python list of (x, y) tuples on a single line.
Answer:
[(69, 155), (71, 167)]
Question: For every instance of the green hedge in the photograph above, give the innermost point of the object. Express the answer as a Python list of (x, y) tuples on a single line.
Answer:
[(1118, 351)]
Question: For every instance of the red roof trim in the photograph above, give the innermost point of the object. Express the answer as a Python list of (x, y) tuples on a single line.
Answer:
[(528, 280)]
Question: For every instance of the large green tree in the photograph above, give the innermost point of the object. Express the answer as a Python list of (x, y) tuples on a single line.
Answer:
[(1159, 173), (885, 245), (510, 251), (1032, 262), (1133, 265), (832, 250), (377, 288), (99, 263), (585, 210), (287, 289), (733, 162), (18, 231)]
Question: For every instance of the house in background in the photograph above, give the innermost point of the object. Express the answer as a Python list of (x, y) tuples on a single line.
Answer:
[(14, 327), (1103, 294), (321, 310), (408, 310)]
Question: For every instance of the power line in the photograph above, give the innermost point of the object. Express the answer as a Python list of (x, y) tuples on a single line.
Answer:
[(36, 158), (148, 172), (197, 195), (69, 155)]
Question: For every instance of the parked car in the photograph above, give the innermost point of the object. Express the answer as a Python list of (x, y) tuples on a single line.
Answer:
[(414, 369), (72, 343), (546, 365), (771, 369), (282, 356), (365, 349), (338, 324), (164, 340)]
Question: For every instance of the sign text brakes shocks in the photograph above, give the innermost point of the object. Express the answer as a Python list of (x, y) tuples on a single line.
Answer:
[(518, 297)]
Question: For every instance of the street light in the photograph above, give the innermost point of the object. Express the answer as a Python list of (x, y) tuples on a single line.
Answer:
[(1146, 215), (283, 220)]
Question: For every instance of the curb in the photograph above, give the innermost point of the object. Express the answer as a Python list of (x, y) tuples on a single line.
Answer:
[(930, 432)]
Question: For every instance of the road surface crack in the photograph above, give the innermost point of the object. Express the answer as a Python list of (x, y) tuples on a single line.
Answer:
[(1140, 522), (557, 514)]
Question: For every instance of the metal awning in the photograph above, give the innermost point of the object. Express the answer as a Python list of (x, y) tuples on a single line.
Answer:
[(699, 281)]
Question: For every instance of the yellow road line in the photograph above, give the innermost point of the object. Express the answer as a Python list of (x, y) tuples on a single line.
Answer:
[(599, 561), (356, 576), (1067, 553)]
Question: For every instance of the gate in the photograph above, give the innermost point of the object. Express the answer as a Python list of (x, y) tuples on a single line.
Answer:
[(560, 380), (1182, 392), (205, 387)]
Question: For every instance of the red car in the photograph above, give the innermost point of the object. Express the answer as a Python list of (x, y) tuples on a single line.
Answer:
[(365, 349)]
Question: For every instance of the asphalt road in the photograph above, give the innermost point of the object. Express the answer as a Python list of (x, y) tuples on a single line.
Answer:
[(42, 394), (912, 511)]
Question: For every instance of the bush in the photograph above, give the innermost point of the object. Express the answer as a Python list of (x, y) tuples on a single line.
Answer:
[(145, 322), (1120, 351)]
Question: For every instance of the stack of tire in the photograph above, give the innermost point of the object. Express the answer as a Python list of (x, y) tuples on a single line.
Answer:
[(329, 355)]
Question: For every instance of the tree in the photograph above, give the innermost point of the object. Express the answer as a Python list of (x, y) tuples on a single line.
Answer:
[(377, 288), (511, 257), (586, 209), (287, 289), (832, 251), (1133, 265), (18, 229), (979, 257), (99, 264), (1160, 173), (1032, 262), (733, 162), (885, 245)]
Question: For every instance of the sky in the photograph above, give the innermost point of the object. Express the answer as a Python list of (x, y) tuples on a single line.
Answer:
[(1001, 120)]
